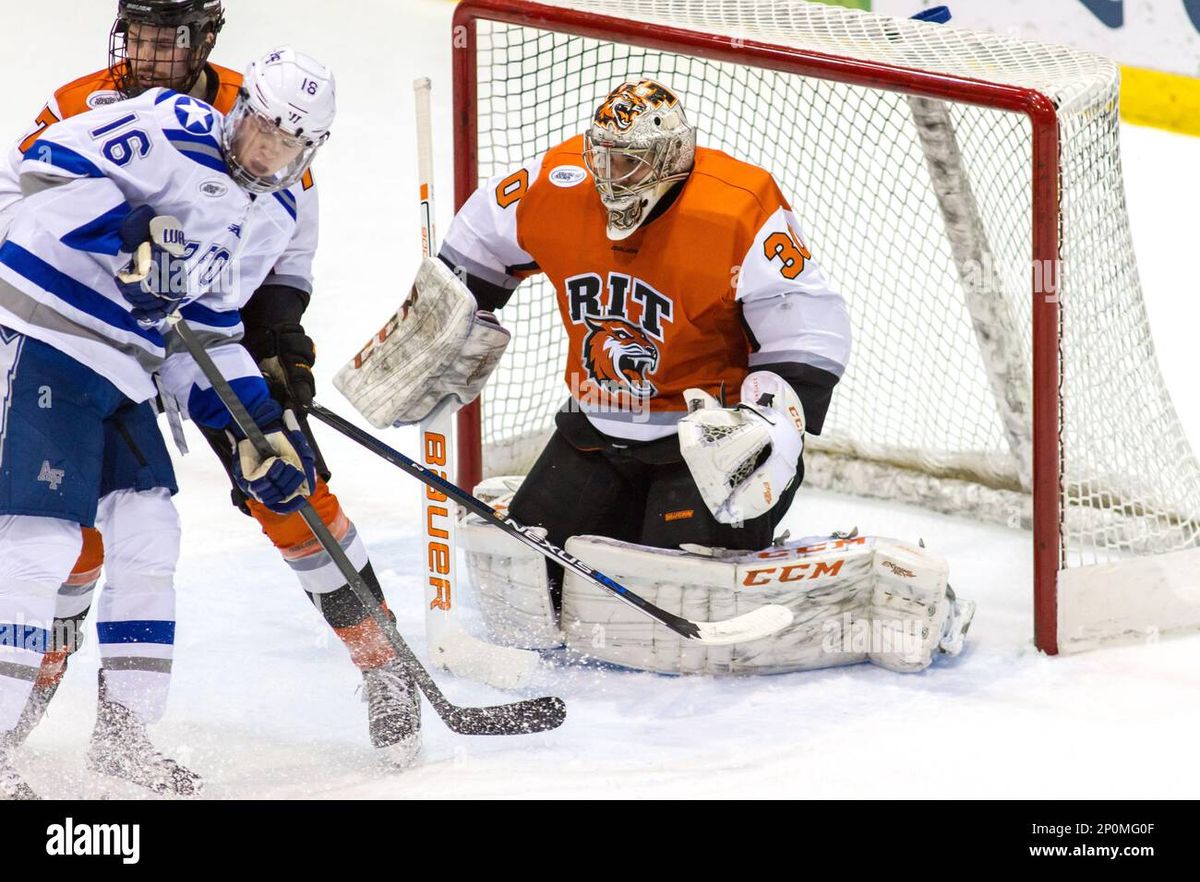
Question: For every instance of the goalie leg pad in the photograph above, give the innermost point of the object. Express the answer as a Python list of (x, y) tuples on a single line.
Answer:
[(853, 600), (512, 587), (910, 607)]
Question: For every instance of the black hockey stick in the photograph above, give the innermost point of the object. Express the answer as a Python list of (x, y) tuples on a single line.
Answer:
[(762, 622), (531, 715)]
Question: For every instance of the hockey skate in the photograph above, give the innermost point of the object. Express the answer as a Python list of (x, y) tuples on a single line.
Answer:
[(954, 631), (393, 713), (121, 748), (12, 785)]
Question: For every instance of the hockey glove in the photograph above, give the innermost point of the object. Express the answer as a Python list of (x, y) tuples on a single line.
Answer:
[(435, 352), (278, 342), (279, 482), (290, 363), (155, 281), (743, 458)]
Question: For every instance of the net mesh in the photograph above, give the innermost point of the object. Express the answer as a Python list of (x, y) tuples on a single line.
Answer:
[(933, 408)]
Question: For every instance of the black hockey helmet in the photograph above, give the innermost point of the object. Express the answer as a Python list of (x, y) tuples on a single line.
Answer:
[(162, 43)]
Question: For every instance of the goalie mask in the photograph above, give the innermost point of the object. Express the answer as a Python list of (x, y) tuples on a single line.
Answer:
[(638, 147), (162, 43), (282, 117)]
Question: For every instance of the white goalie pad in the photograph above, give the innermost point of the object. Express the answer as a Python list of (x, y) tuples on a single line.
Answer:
[(853, 599), (511, 585), (438, 348)]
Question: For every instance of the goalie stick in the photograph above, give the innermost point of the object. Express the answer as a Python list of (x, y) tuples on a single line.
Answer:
[(531, 715), (450, 646), (762, 622)]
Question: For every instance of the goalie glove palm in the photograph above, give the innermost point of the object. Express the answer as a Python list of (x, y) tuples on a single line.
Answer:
[(743, 458), (283, 481)]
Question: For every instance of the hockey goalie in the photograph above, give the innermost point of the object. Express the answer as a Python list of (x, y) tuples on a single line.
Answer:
[(704, 343)]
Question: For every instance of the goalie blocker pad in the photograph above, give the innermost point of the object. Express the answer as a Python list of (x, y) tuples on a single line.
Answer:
[(854, 599), (437, 348)]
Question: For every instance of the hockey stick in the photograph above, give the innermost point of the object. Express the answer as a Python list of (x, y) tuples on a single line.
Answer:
[(450, 646), (762, 622), (531, 715)]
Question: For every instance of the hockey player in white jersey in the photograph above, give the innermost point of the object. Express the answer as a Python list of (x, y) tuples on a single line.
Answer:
[(167, 43), (130, 213)]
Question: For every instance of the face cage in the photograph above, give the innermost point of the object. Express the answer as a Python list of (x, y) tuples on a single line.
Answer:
[(620, 198), (615, 192), (259, 184), (190, 70)]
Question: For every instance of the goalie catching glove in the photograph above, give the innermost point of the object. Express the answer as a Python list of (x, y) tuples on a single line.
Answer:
[(439, 348), (743, 458), (279, 482)]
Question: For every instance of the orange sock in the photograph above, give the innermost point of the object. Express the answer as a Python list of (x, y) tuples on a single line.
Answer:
[(54, 665), (368, 645)]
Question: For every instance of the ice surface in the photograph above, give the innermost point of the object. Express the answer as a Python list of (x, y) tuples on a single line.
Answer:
[(264, 701)]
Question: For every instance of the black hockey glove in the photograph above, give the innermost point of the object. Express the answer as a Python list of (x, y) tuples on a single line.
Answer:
[(277, 341), (292, 363)]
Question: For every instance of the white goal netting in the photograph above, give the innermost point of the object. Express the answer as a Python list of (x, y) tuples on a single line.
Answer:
[(921, 213)]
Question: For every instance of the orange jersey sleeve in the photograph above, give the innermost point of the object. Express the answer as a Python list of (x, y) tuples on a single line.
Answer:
[(99, 89), (93, 90), (229, 82)]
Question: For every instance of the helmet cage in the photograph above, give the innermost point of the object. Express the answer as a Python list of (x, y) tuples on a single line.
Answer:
[(196, 26), (624, 170), (244, 114)]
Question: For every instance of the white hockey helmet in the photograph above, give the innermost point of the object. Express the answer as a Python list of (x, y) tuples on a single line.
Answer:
[(638, 147), (283, 114)]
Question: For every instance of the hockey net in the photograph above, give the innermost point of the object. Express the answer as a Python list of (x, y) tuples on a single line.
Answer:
[(964, 192)]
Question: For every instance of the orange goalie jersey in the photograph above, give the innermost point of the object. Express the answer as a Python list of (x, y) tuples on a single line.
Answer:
[(718, 284)]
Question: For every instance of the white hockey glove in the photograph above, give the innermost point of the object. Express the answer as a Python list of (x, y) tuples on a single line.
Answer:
[(438, 348), (743, 458)]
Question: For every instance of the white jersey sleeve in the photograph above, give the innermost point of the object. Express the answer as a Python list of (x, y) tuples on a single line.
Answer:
[(482, 244), (799, 325), (10, 169), (294, 267)]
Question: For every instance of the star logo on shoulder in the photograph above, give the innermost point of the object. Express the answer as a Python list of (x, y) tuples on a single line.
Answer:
[(195, 117)]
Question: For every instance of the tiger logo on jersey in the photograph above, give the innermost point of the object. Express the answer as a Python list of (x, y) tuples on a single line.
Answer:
[(617, 356), (629, 100)]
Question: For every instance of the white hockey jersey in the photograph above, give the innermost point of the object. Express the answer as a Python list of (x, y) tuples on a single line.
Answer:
[(59, 261), (98, 89)]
